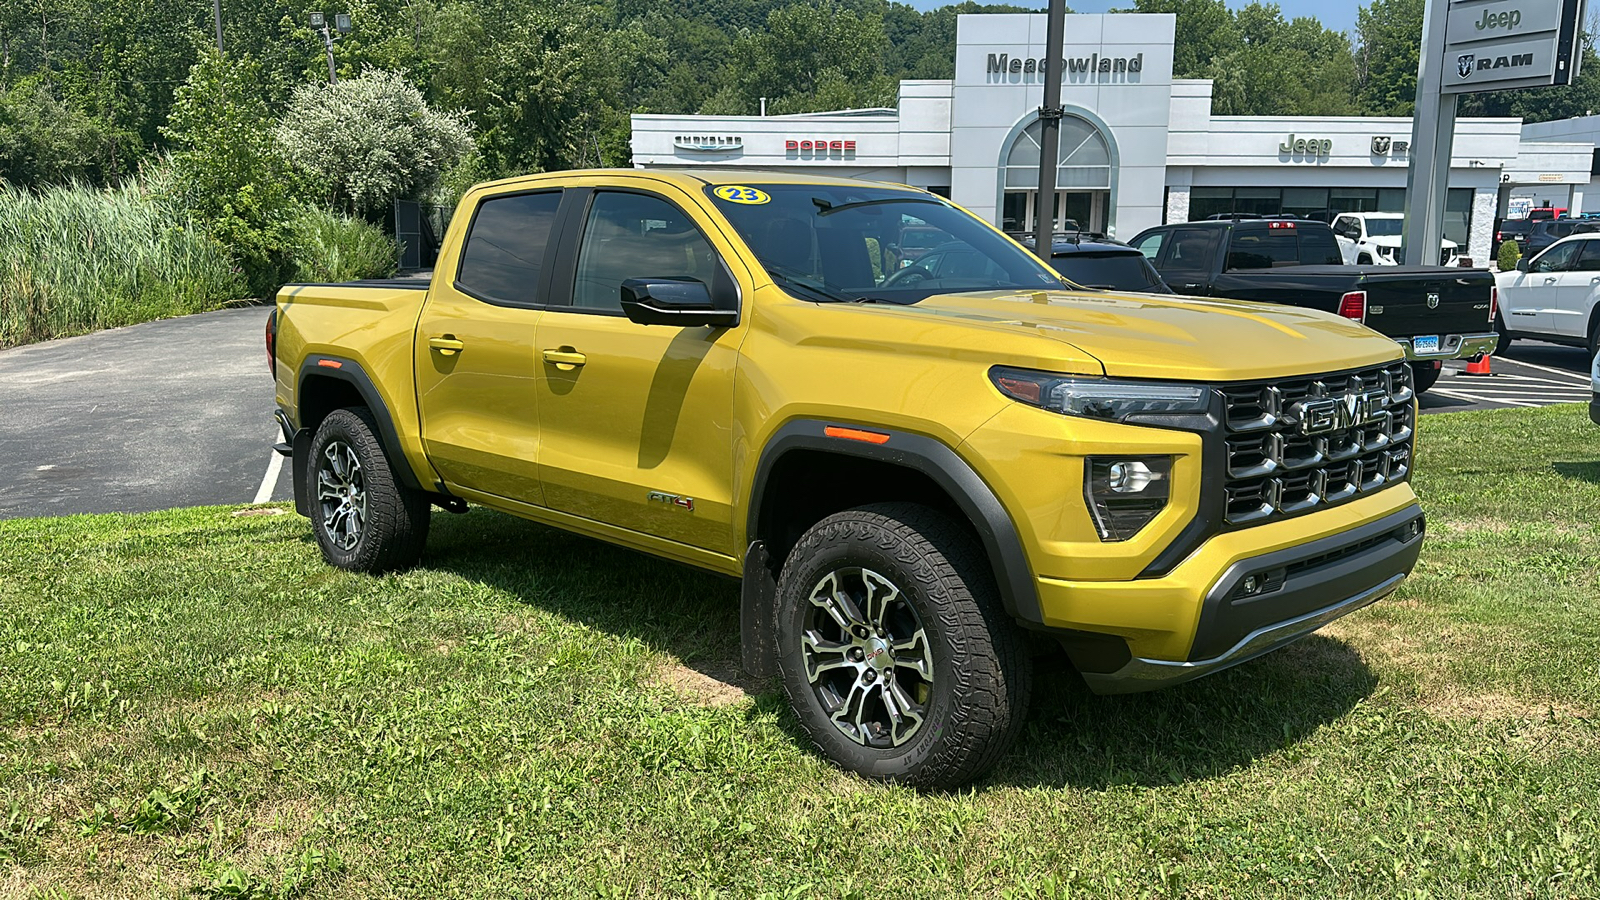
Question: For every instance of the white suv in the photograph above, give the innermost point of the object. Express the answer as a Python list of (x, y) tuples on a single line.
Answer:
[(1373, 239), (1553, 296)]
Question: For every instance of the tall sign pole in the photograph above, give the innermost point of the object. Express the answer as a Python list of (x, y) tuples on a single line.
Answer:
[(1470, 46), (1433, 131), (1050, 139), (218, 9)]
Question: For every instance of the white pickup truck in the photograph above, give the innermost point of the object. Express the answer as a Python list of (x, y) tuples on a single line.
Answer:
[(1373, 239)]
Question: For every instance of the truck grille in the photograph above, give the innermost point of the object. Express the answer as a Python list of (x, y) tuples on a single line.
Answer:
[(1288, 453)]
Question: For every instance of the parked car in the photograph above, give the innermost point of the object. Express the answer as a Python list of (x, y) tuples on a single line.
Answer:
[(1552, 295), (1548, 231), (916, 477), (1513, 230), (1373, 239), (1102, 263), (1434, 313)]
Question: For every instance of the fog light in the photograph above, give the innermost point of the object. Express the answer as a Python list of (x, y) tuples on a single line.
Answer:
[(1125, 493), (1251, 584)]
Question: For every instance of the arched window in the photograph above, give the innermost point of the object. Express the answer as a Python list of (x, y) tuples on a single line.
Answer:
[(1084, 160)]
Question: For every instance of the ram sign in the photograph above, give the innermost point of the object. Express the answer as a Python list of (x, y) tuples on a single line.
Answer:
[(1496, 45)]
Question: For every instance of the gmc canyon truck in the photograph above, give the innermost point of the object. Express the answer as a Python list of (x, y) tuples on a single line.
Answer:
[(918, 476), (1434, 313)]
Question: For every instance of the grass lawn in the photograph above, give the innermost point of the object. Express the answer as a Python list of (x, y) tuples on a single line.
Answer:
[(192, 704)]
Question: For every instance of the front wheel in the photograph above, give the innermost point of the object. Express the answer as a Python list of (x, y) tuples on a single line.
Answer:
[(1425, 374), (1505, 336), (365, 520), (896, 655)]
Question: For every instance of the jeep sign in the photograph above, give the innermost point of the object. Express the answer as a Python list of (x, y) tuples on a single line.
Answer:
[(1493, 45)]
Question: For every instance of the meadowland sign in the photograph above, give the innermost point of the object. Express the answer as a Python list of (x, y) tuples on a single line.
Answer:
[(1001, 66), (1495, 45)]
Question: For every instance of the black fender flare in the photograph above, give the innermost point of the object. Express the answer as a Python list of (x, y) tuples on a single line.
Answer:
[(351, 372), (976, 500)]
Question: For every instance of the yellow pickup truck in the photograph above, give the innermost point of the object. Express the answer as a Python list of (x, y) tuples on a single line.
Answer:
[(922, 472)]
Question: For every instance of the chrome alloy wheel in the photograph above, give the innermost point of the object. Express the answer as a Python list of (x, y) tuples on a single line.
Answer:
[(342, 494), (867, 658)]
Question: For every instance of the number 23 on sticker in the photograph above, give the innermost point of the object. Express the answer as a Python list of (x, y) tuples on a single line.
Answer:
[(738, 193)]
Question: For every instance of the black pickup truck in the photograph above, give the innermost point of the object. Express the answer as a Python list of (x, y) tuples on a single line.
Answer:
[(1433, 312)]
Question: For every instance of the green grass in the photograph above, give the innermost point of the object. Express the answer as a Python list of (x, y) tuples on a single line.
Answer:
[(192, 704), (76, 259)]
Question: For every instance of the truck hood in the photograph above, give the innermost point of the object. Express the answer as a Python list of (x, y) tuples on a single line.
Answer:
[(1186, 338)]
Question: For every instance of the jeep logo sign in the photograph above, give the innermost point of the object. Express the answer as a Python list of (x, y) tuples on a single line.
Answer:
[(1324, 415), (1492, 45), (1506, 20)]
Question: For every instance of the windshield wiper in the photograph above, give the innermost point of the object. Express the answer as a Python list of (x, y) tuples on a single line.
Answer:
[(775, 272), (824, 208)]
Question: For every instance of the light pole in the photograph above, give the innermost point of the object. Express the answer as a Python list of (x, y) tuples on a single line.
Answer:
[(217, 4), (1050, 138), (341, 23)]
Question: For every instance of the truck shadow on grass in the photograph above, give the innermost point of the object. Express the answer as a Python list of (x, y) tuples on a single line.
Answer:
[(1072, 737), (1578, 471)]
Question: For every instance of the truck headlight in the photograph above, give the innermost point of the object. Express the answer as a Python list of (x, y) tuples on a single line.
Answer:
[(1125, 492), (1099, 398)]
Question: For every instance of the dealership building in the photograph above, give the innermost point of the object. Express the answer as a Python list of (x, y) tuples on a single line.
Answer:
[(1138, 147)]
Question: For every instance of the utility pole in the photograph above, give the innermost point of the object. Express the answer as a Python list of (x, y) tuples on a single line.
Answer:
[(217, 4), (1050, 139), (342, 23)]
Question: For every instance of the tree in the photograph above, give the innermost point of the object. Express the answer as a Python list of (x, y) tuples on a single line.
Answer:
[(805, 48), (225, 170), (45, 141), (1206, 32), (371, 140), (1297, 68), (1389, 36)]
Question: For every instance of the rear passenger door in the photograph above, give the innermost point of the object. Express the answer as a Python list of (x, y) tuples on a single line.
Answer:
[(636, 420), (477, 365)]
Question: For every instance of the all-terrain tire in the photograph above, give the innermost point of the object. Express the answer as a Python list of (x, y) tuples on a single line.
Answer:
[(1424, 375), (393, 518), (981, 669)]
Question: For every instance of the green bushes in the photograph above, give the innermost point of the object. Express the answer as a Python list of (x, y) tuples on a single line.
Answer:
[(331, 247), (75, 259), (1509, 254)]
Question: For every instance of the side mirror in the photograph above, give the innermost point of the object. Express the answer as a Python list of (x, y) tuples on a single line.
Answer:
[(684, 302), (1522, 264)]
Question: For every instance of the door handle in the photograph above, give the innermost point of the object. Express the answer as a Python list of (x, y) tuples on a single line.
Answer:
[(1549, 281), (446, 345), (565, 358)]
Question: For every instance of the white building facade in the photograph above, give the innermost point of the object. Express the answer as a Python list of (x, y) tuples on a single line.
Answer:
[(1138, 148)]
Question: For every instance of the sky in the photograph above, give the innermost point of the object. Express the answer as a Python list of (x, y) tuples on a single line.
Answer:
[(1339, 15)]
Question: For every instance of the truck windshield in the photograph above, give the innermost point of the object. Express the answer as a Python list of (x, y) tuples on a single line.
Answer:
[(869, 243), (1385, 227)]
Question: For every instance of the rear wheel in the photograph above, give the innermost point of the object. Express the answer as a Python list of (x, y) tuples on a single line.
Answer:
[(896, 655), (365, 520), (1425, 374), (1505, 335)]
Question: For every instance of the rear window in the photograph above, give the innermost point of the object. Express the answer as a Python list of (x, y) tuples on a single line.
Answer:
[(505, 247), (1110, 271), (1277, 245)]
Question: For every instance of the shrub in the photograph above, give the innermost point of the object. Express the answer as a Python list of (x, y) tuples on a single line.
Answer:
[(74, 259), (331, 247), (1509, 254), (371, 140), (226, 171)]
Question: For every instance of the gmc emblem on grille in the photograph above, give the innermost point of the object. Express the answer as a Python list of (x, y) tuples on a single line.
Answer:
[(1325, 414)]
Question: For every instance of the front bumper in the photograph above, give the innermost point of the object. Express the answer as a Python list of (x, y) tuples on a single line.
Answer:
[(1454, 346), (1309, 585)]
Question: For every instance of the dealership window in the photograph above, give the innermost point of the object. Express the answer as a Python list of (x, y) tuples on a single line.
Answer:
[(1325, 203)]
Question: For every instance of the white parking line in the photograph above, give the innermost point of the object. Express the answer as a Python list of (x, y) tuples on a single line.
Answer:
[(1562, 372), (269, 480), (1535, 388), (1460, 395)]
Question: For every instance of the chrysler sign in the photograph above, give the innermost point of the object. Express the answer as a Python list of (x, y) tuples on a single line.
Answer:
[(1493, 45)]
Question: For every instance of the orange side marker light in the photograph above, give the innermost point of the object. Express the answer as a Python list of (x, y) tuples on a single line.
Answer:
[(855, 434)]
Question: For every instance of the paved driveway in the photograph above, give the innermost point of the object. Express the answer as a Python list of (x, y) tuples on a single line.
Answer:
[(170, 413)]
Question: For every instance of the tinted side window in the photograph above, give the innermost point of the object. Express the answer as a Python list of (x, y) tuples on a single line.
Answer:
[(1557, 259), (505, 248), (636, 236), (1589, 256), (1150, 245), (1191, 251)]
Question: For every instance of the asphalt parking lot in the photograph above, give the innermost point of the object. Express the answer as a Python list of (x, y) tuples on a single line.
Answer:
[(179, 413), (1531, 373), (170, 413)]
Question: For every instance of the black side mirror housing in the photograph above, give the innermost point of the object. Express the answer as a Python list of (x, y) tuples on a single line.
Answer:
[(1522, 264), (684, 302)]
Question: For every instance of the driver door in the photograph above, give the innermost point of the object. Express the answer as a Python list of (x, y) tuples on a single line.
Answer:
[(636, 421), (1531, 299)]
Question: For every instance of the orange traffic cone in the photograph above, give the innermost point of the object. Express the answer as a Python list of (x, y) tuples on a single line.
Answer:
[(1479, 366)]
